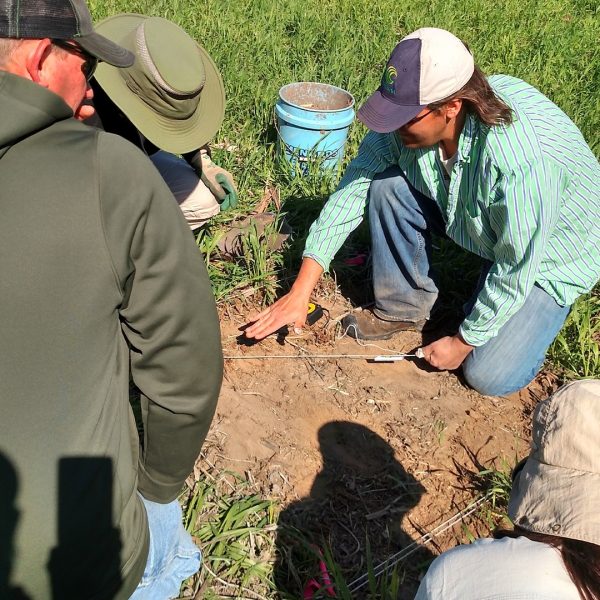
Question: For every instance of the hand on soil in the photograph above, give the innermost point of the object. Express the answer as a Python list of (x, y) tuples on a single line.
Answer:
[(288, 310), (447, 353)]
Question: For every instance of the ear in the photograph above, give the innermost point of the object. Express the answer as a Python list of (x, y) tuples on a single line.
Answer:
[(36, 61), (453, 107)]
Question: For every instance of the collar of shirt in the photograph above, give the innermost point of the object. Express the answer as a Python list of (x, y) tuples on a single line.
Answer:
[(429, 176)]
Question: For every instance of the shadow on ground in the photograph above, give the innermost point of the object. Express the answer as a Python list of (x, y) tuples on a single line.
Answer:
[(355, 508), (86, 559)]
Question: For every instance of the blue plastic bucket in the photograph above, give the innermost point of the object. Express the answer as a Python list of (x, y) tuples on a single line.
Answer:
[(313, 121)]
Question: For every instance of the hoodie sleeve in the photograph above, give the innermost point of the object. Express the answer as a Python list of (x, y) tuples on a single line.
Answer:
[(168, 314)]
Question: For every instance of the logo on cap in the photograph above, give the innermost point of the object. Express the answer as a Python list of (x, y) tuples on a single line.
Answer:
[(389, 76)]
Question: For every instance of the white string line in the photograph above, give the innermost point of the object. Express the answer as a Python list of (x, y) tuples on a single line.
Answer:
[(416, 545), (307, 354), (303, 356)]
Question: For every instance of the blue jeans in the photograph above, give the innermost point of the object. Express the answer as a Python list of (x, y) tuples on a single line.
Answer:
[(402, 221), (173, 556)]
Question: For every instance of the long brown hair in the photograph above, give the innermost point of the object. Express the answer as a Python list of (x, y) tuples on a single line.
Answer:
[(582, 559), (479, 99)]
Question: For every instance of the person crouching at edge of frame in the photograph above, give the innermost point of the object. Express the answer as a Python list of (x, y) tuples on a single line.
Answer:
[(170, 102), (553, 552)]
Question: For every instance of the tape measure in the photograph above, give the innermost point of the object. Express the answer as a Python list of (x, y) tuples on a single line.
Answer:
[(314, 313)]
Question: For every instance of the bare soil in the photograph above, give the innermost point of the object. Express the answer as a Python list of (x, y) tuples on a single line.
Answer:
[(354, 449)]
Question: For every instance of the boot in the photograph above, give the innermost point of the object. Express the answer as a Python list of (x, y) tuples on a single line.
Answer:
[(366, 325)]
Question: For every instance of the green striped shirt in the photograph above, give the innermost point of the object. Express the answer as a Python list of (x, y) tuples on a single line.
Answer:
[(526, 197)]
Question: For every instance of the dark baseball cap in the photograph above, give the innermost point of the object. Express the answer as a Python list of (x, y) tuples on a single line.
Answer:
[(61, 20), (427, 66)]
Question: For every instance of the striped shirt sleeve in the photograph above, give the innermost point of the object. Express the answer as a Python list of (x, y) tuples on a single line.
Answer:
[(523, 219), (344, 210)]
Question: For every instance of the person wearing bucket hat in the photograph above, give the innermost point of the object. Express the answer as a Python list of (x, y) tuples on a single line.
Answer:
[(170, 102), (488, 162), (102, 284), (554, 550)]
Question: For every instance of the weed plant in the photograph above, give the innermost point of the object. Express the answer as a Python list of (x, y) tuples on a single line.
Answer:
[(234, 527), (497, 482), (576, 350)]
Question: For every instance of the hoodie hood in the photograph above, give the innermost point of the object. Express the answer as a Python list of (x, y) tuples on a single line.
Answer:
[(26, 108)]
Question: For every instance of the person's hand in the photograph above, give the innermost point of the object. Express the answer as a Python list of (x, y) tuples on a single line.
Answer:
[(289, 309), (447, 353), (219, 182)]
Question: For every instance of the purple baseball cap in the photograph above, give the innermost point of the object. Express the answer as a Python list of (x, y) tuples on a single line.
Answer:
[(426, 66)]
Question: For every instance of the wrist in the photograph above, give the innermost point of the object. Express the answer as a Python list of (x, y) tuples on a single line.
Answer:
[(459, 340), (308, 277), (301, 291)]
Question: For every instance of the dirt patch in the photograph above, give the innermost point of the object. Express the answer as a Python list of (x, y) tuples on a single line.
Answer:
[(354, 449)]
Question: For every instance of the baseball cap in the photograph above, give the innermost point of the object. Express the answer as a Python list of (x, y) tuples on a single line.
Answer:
[(557, 492), (426, 66), (60, 20), (173, 93)]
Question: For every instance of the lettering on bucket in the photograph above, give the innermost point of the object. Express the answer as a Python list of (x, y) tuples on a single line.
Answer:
[(303, 156)]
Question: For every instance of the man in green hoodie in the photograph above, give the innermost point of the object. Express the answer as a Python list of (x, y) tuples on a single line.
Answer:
[(101, 281)]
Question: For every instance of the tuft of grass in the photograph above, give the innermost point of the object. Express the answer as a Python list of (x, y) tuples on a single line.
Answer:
[(235, 528), (260, 263), (497, 482), (439, 428), (576, 350), (254, 268)]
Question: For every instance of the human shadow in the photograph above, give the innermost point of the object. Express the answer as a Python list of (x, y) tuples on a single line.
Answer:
[(86, 561), (9, 519), (354, 512)]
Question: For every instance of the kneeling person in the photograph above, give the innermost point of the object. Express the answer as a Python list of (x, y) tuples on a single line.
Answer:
[(498, 168)]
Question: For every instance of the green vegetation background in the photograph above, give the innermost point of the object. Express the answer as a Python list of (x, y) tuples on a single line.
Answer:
[(261, 45)]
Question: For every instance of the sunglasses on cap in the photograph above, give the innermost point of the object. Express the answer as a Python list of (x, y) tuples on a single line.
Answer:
[(417, 119), (89, 62)]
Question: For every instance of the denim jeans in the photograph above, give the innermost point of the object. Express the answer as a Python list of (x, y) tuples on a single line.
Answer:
[(173, 556), (402, 221)]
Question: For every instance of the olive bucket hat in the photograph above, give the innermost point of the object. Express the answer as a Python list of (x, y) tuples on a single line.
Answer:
[(173, 93), (557, 491)]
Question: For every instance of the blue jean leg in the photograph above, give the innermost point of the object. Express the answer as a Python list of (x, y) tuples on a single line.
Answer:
[(173, 556), (401, 221), (513, 358)]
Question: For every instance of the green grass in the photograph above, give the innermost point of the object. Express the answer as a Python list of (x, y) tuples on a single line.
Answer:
[(261, 45), (254, 268), (235, 528), (575, 351)]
